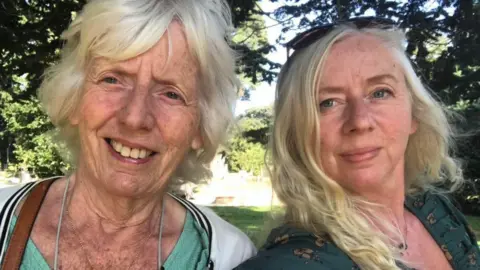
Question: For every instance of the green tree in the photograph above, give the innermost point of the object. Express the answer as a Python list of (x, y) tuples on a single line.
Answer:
[(255, 124), (245, 155), (454, 73), (35, 148), (469, 152), (246, 148), (30, 42), (251, 37)]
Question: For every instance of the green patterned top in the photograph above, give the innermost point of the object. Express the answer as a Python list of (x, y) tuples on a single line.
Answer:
[(292, 248)]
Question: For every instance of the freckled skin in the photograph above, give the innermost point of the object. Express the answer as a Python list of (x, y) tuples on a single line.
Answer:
[(358, 112), (137, 108), (114, 207), (358, 119)]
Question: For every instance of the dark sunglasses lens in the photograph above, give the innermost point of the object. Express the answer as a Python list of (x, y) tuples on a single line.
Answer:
[(305, 39)]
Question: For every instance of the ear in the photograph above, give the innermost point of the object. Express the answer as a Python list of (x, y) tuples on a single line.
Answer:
[(197, 142)]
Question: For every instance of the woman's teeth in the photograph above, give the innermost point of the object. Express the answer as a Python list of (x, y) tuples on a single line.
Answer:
[(126, 151)]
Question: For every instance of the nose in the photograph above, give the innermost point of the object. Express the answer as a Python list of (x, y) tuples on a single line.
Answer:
[(358, 117), (136, 114)]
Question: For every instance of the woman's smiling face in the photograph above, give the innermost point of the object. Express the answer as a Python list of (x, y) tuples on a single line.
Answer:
[(138, 118), (365, 114)]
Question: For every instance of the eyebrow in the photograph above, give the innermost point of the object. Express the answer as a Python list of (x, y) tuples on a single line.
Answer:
[(381, 78), (106, 65), (120, 68), (372, 80), (331, 90)]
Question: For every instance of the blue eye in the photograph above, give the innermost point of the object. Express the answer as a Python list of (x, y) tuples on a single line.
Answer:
[(381, 94), (172, 95), (110, 80), (327, 103)]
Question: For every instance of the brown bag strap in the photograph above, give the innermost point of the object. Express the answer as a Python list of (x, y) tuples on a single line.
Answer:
[(21, 232)]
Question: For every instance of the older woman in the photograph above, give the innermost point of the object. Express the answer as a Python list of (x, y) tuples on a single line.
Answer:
[(143, 94), (359, 149)]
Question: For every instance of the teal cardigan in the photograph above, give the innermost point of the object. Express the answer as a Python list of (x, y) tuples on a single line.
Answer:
[(291, 248)]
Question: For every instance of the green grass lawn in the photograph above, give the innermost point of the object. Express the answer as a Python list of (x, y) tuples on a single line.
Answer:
[(248, 219), (251, 220)]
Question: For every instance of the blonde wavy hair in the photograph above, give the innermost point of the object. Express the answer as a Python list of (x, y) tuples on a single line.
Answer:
[(318, 203), (123, 29)]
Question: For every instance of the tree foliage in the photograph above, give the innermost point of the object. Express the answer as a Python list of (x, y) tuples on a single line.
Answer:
[(30, 42), (246, 148), (254, 125), (469, 153), (35, 147), (251, 38), (448, 29), (245, 155)]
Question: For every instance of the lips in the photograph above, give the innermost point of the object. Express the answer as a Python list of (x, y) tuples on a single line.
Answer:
[(361, 154)]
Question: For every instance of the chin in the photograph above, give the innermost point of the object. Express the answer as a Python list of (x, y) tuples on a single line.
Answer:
[(363, 181), (125, 186)]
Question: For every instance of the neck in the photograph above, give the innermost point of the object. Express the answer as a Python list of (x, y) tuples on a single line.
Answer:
[(119, 217), (390, 197)]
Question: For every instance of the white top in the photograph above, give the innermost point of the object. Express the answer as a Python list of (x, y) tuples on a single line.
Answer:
[(229, 245)]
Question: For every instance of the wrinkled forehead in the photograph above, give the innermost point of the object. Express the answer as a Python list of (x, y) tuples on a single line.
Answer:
[(168, 61)]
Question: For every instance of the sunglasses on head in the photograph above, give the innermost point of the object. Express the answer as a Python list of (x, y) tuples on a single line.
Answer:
[(308, 37)]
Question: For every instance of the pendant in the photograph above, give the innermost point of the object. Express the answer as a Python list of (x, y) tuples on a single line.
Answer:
[(403, 246)]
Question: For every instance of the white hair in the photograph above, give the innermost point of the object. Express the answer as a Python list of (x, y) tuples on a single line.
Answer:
[(122, 29), (317, 203)]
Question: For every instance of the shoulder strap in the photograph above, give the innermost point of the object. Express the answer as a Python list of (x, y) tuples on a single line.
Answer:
[(26, 218), (201, 219), (9, 204)]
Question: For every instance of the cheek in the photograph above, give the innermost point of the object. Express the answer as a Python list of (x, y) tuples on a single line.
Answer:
[(397, 121), (326, 144), (330, 139), (329, 134), (178, 125), (97, 107)]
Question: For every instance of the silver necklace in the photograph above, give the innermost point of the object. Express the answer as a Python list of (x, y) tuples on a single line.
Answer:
[(60, 219)]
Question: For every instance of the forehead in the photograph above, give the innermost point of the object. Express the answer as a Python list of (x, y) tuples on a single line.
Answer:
[(360, 55), (169, 58)]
